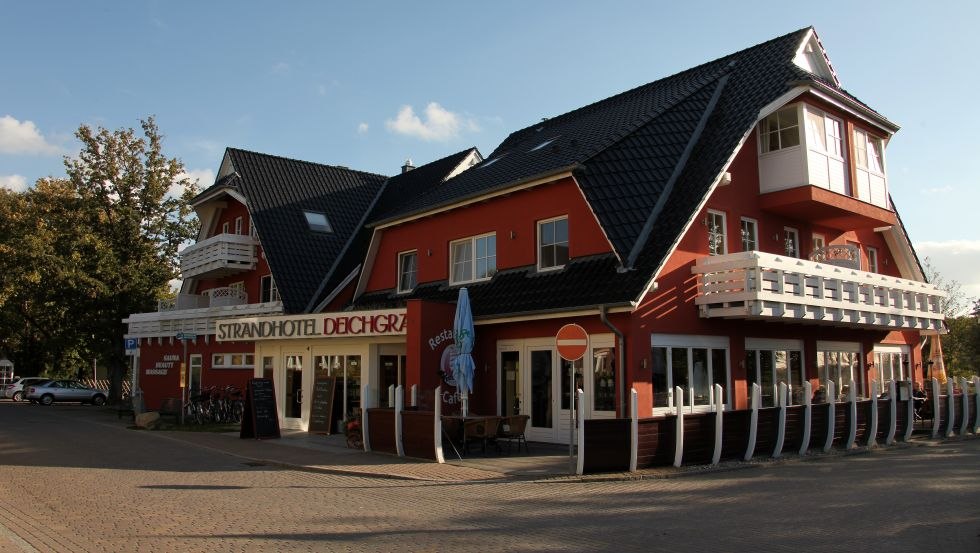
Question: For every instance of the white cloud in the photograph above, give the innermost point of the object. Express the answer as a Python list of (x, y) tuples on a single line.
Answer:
[(440, 124), (957, 260), (280, 68), (16, 183), (204, 178), (321, 90), (937, 190), (18, 137), (362, 128)]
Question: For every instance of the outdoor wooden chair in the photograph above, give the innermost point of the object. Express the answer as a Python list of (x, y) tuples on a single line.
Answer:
[(512, 428), (481, 429)]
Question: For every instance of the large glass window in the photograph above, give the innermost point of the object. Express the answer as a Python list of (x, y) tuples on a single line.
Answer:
[(407, 271), (824, 133), (869, 153), (768, 367), (347, 370), (717, 241), (473, 259), (891, 364), (553, 243), (841, 366), (604, 379), (694, 368), (780, 130)]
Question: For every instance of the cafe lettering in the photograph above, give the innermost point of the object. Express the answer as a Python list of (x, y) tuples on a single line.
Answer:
[(390, 322)]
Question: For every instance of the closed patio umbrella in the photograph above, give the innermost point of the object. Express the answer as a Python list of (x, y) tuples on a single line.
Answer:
[(938, 369), (463, 335)]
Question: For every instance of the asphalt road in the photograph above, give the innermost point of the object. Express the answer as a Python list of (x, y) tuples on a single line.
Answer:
[(74, 480)]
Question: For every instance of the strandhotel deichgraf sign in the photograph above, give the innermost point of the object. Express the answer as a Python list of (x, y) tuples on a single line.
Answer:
[(389, 322)]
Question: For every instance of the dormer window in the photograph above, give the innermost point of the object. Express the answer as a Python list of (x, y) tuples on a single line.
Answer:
[(552, 244), (867, 149), (780, 130), (317, 221)]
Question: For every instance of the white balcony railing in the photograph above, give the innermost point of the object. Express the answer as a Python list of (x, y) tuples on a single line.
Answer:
[(219, 255), (215, 297), (757, 285), (200, 321)]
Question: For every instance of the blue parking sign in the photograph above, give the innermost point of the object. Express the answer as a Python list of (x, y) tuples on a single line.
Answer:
[(131, 345)]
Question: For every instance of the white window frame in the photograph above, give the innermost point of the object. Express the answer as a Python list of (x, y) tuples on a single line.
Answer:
[(240, 286), (401, 287), (794, 250), (224, 227), (238, 225), (541, 246), (716, 232), (766, 133), (892, 353), (818, 242), (473, 260), (872, 254), (831, 131), (273, 289), (227, 360), (870, 159), (251, 229), (690, 343), (777, 345), (749, 231), (855, 370)]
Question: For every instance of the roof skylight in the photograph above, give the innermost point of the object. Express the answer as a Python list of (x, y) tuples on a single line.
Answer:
[(492, 161), (543, 144), (317, 221)]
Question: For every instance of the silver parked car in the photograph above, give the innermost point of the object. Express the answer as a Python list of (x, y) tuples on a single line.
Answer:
[(64, 390), (15, 390)]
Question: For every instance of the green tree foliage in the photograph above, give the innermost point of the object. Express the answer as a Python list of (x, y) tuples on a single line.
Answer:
[(90, 249)]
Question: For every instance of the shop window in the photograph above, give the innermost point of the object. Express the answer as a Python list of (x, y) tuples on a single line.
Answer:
[(553, 243), (840, 365), (750, 235), (473, 259), (892, 364), (780, 130), (695, 364), (232, 361), (771, 366), (407, 271)]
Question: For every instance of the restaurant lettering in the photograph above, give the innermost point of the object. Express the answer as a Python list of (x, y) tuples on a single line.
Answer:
[(368, 323)]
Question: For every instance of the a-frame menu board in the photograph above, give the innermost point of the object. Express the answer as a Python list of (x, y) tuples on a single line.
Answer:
[(260, 419)]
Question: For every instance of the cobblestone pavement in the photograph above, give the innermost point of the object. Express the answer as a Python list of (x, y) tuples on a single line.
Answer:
[(74, 482)]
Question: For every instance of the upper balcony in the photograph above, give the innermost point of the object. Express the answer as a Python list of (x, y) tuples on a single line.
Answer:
[(218, 256), (806, 173), (769, 287)]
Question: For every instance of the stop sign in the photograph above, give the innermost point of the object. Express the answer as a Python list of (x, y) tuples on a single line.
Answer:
[(572, 341)]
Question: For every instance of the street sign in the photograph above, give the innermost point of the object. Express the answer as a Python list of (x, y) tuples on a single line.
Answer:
[(572, 341), (185, 336), (132, 346)]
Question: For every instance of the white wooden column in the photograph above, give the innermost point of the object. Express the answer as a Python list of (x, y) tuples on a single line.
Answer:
[(831, 415), (679, 426), (753, 421), (580, 418), (950, 409), (892, 413), (807, 416), (910, 416), (935, 408), (399, 407), (852, 406), (965, 389), (719, 421), (391, 395), (976, 389), (777, 451), (415, 395), (634, 428), (437, 426), (873, 418)]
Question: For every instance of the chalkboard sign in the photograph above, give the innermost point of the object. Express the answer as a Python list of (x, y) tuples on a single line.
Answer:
[(321, 411), (260, 420)]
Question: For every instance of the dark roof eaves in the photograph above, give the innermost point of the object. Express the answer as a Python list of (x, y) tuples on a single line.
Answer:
[(472, 196), (852, 102)]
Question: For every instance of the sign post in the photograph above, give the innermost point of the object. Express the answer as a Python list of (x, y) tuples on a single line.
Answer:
[(572, 342), (132, 347), (184, 338)]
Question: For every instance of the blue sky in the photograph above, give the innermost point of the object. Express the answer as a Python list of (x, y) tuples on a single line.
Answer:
[(369, 85)]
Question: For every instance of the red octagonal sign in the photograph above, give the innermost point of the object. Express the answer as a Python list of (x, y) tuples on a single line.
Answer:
[(572, 342)]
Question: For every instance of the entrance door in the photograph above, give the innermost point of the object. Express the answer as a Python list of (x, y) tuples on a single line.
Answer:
[(391, 373), (542, 393), (292, 399)]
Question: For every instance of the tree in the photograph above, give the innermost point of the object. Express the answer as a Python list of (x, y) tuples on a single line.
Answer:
[(956, 301), (125, 185), (81, 253)]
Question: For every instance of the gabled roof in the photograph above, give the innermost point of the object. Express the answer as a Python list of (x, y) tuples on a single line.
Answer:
[(396, 191), (646, 161), (277, 191)]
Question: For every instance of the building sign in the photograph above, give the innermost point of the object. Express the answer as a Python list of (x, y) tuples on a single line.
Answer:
[(389, 322), (162, 367)]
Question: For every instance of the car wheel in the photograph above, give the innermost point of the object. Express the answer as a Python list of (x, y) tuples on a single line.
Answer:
[(98, 400), (18, 396), (47, 399)]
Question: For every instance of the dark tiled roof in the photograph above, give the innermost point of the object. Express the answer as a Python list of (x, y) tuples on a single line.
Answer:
[(397, 190), (624, 150), (277, 191)]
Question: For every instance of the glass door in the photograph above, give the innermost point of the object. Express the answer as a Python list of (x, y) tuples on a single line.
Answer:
[(603, 381), (510, 383), (542, 388), (391, 373), (293, 389)]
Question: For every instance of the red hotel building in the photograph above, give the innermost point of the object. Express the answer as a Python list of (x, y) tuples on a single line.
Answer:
[(729, 224)]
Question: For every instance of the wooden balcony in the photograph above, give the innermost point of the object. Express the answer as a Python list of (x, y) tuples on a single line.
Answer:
[(218, 256), (764, 286), (170, 320)]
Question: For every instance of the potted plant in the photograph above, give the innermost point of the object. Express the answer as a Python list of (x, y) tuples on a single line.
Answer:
[(352, 430)]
